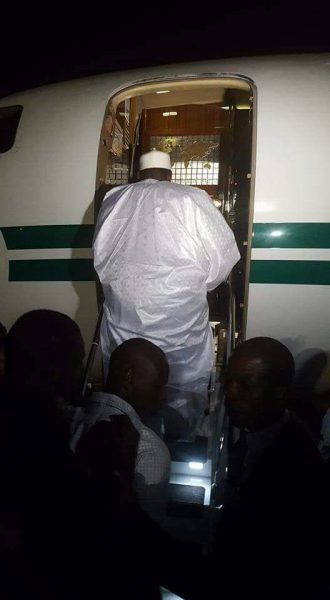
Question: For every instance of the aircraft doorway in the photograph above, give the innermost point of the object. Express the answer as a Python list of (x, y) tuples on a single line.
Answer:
[(206, 125)]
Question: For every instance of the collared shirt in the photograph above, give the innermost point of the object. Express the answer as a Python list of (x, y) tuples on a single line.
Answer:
[(153, 462)]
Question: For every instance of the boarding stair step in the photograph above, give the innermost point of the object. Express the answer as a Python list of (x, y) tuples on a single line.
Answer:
[(185, 500), (188, 451)]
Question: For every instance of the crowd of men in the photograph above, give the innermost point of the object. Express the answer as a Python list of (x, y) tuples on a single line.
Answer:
[(84, 479), (77, 519)]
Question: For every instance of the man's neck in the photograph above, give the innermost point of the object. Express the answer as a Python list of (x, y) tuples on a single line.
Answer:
[(121, 394)]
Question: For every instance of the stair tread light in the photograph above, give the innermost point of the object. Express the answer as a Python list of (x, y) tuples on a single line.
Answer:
[(196, 465)]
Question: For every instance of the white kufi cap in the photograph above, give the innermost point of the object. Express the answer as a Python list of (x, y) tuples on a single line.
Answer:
[(155, 160)]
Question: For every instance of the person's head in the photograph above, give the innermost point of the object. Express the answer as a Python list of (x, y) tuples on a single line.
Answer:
[(259, 374), (155, 165), (138, 373), (45, 347)]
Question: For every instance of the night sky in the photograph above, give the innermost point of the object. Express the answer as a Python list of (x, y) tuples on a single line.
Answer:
[(51, 44)]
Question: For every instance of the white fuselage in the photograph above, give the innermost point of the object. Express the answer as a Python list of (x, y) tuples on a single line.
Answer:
[(48, 179)]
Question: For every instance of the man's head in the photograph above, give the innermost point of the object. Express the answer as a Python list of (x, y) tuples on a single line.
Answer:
[(258, 378), (45, 347), (155, 165), (138, 373)]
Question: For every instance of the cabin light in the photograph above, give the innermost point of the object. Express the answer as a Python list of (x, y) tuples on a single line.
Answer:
[(196, 465), (239, 107), (163, 92), (170, 114), (276, 233)]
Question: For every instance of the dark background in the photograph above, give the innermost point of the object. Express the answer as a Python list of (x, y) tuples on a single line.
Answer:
[(47, 43)]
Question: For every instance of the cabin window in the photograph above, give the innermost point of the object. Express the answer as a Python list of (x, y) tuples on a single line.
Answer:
[(195, 158), (9, 120)]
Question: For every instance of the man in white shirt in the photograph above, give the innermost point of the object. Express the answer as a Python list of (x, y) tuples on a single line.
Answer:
[(159, 247), (138, 373)]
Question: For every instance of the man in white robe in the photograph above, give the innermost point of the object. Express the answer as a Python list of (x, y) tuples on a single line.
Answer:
[(159, 247)]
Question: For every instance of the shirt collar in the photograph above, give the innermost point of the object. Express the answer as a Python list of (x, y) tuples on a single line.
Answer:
[(113, 401)]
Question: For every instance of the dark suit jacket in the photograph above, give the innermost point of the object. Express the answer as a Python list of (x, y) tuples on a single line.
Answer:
[(274, 523)]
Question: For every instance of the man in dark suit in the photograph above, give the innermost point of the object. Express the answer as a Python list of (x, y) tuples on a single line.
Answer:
[(274, 503)]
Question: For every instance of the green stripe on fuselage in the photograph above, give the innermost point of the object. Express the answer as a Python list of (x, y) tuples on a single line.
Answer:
[(291, 235), (295, 272), (63, 269), (48, 236), (265, 235)]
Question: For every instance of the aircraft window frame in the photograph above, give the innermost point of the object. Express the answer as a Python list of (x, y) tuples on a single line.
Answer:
[(10, 117)]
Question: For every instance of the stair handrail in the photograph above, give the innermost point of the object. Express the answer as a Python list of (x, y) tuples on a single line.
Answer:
[(222, 427), (92, 352)]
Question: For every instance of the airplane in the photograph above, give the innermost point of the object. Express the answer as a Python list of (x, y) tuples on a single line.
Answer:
[(252, 131)]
